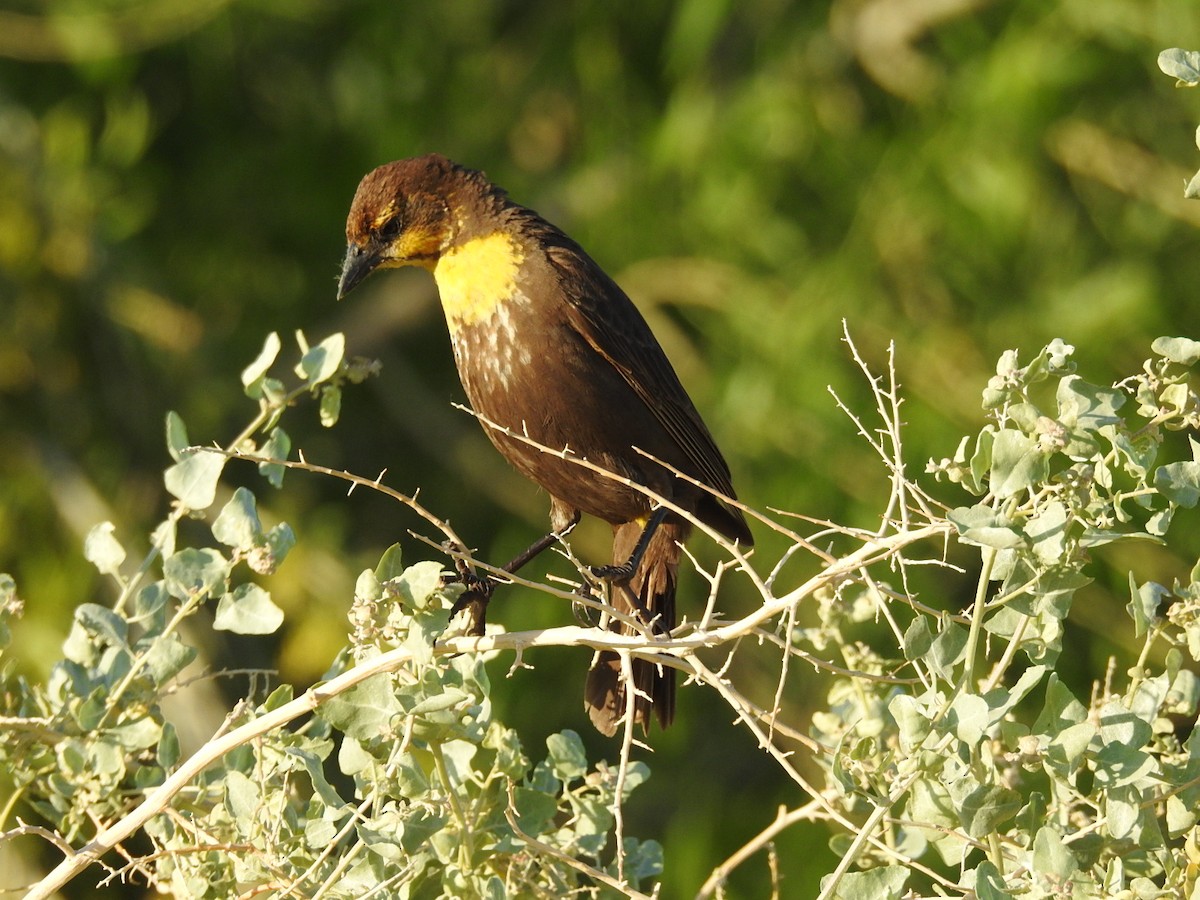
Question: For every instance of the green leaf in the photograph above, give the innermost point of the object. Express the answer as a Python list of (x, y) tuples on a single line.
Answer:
[(1180, 816), (1117, 765), (1047, 531), (331, 405), (1184, 351), (313, 766), (912, 721), (643, 860), (319, 833), (986, 808), (1179, 482), (989, 883), (567, 755), (103, 550), (411, 778), (451, 698), (1122, 812), (1088, 406), (1060, 710), (1018, 463), (238, 525), (177, 437), (1143, 604), (193, 480), (367, 587), (1123, 726), (947, 649), (193, 571), (278, 446), (418, 583), (281, 696), (321, 362), (103, 623), (880, 883), (242, 798), (365, 711), (137, 734), (984, 527), (168, 656), (1191, 190), (917, 638), (168, 752), (969, 717), (389, 566), (269, 555), (247, 610), (535, 810), (1182, 65), (1051, 856), (253, 374), (419, 828)]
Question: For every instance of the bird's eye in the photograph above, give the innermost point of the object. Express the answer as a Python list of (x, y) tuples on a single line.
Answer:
[(391, 228)]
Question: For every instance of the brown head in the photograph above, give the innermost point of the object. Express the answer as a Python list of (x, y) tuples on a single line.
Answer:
[(401, 215)]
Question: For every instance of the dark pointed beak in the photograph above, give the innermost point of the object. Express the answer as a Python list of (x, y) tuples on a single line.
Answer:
[(359, 263)]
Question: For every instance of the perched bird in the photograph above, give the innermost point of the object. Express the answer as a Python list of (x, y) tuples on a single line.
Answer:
[(548, 346)]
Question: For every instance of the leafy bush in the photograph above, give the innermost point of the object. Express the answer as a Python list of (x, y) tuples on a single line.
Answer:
[(954, 756)]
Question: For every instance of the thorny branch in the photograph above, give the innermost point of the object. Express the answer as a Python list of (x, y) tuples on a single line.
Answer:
[(772, 620)]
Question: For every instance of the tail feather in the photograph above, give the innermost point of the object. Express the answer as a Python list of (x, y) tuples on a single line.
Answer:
[(649, 596)]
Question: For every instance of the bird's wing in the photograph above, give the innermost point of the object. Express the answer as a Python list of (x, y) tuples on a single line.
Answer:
[(607, 319)]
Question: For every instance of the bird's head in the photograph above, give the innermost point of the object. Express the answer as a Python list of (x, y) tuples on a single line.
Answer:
[(400, 217)]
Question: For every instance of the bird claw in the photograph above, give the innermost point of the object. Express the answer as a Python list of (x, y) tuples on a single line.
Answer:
[(474, 602), (585, 615), (475, 598), (611, 573)]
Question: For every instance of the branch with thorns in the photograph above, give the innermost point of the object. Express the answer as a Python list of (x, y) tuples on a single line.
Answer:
[(681, 649)]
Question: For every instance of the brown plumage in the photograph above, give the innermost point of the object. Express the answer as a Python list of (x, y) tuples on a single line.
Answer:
[(549, 346)]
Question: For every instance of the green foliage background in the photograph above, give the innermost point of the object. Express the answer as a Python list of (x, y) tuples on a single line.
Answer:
[(175, 178)]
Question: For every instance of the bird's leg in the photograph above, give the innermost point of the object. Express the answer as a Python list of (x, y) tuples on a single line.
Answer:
[(475, 598), (479, 590), (619, 572)]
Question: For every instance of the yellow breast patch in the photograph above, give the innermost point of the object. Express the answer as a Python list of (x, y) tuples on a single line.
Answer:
[(476, 277)]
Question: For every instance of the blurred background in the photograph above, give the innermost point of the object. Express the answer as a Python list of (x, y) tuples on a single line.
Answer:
[(957, 176)]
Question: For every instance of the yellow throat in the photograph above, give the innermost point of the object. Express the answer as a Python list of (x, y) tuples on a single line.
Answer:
[(474, 278)]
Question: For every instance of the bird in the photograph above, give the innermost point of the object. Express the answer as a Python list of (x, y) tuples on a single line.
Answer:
[(550, 348)]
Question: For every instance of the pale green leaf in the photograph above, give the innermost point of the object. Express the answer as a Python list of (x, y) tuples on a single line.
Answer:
[(193, 571), (567, 755), (1018, 463), (880, 883), (278, 446), (365, 711), (1182, 65), (1182, 350), (103, 550), (985, 527), (238, 525), (321, 362), (1051, 856), (248, 610), (253, 374), (177, 437), (193, 480)]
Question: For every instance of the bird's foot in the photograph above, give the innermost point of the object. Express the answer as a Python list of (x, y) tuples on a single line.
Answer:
[(612, 573), (475, 597), (586, 615), (474, 602)]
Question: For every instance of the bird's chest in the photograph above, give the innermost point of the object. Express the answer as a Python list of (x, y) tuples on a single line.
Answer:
[(496, 361)]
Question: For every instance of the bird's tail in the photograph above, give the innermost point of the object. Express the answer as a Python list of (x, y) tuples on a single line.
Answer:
[(648, 596)]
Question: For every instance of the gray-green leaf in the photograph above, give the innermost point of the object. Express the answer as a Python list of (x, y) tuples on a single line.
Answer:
[(248, 610)]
